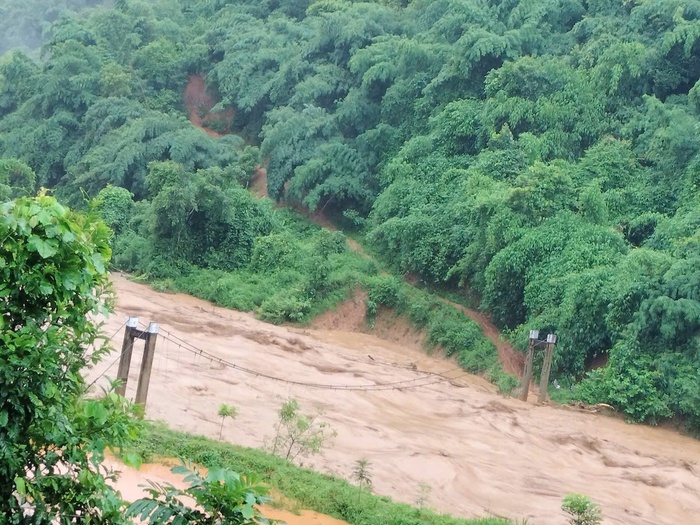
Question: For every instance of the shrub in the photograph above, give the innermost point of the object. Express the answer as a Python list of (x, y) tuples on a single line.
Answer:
[(385, 290), (114, 205), (581, 509), (284, 307), (272, 251), (298, 434), (506, 383), (453, 331), (478, 357), (419, 311)]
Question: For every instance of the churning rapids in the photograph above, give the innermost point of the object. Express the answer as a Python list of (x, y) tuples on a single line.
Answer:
[(479, 452)]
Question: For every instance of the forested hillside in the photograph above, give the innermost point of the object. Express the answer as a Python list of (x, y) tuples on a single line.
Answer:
[(540, 156)]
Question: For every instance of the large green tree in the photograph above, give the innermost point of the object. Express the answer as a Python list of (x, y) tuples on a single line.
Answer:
[(53, 278)]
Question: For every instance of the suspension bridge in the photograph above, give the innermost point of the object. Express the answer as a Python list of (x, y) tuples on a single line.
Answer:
[(196, 380)]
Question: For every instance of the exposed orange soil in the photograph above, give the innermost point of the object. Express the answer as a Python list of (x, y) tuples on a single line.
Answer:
[(512, 360), (350, 316), (480, 453), (199, 103), (258, 182)]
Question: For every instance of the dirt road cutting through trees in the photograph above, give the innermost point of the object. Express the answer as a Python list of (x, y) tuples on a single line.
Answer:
[(479, 452)]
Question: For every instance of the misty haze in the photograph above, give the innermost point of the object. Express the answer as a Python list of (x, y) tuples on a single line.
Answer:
[(25, 24)]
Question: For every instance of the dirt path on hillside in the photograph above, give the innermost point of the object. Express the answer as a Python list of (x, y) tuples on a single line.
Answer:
[(512, 360), (258, 182), (479, 452)]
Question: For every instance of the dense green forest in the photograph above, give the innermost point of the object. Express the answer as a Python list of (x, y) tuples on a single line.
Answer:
[(538, 156)]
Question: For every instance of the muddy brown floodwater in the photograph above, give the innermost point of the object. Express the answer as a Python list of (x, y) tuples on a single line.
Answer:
[(479, 452)]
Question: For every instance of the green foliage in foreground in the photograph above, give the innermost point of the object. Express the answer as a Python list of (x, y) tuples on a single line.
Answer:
[(53, 277), (312, 490), (221, 496)]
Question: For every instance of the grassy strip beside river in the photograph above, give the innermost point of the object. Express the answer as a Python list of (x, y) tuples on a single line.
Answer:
[(312, 490)]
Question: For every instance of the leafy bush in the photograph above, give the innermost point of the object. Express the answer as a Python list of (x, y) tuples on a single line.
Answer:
[(298, 434), (581, 509), (384, 290), (131, 252), (481, 356), (272, 252), (222, 496), (629, 382), (506, 383), (226, 411), (283, 307), (114, 204)]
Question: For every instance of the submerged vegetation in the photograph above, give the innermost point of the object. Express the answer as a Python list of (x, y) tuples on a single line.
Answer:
[(539, 156)]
